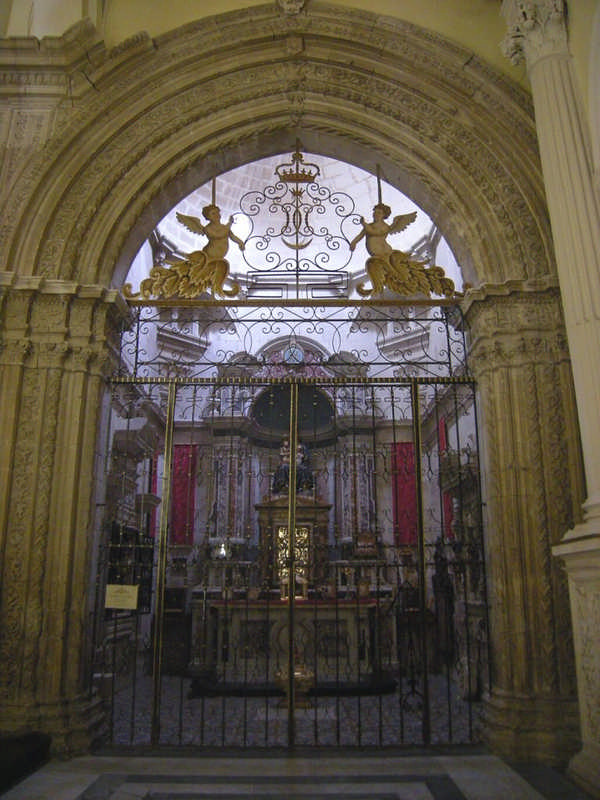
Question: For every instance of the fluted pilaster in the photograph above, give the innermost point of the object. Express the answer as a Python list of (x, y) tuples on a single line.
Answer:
[(538, 34)]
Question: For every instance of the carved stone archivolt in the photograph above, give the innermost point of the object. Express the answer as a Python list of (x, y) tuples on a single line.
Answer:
[(147, 122), (199, 121)]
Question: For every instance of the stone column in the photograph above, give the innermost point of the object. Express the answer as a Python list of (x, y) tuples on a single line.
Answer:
[(533, 485), (53, 351), (538, 34)]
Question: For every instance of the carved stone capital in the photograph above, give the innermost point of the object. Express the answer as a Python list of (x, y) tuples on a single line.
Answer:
[(536, 29), (518, 325), (13, 353), (49, 355)]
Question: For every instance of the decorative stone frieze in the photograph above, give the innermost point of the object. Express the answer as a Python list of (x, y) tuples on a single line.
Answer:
[(533, 479)]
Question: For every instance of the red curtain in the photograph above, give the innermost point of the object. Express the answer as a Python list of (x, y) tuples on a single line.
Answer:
[(182, 493), (404, 493)]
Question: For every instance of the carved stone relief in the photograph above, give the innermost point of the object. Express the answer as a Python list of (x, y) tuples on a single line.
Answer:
[(49, 373), (587, 610), (535, 484), (88, 183), (536, 28)]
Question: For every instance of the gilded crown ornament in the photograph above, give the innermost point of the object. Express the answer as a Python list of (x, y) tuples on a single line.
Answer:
[(297, 170), (295, 218)]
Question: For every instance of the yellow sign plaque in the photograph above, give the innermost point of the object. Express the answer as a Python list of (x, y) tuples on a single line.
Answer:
[(122, 596)]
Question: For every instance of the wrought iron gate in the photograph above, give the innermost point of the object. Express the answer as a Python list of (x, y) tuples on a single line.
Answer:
[(290, 548)]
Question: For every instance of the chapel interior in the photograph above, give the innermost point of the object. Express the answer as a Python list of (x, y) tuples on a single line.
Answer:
[(299, 376)]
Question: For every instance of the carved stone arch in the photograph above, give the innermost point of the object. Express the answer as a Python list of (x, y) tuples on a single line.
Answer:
[(165, 116)]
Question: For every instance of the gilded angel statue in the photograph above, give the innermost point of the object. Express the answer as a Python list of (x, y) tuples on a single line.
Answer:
[(200, 270), (395, 269)]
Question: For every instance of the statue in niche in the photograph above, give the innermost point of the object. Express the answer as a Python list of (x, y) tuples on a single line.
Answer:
[(281, 478), (394, 269), (199, 271)]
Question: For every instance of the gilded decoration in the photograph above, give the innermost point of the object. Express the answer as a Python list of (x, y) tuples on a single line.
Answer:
[(393, 269), (299, 241), (198, 271)]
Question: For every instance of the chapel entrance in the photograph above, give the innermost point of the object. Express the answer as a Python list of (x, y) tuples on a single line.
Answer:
[(290, 536), (216, 626)]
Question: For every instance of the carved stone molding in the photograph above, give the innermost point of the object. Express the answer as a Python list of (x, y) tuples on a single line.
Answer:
[(536, 29), (53, 340), (534, 484), (515, 325), (467, 117)]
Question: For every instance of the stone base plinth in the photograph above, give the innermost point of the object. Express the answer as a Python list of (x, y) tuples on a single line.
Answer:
[(73, 725), (524, 728), (584, 769), (580, 552)]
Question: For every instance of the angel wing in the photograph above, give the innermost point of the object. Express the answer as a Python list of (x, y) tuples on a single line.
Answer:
[(401, 222), (193, 224)]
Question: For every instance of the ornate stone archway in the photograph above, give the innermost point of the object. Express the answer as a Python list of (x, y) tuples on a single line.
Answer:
[(152, 119), (115, 139)]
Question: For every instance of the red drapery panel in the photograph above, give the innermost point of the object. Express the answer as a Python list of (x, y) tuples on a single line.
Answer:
[(182, 493), (404, 493)]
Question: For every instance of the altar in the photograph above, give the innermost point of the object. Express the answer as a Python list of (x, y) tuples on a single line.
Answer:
[(338, 617), (246, 642)]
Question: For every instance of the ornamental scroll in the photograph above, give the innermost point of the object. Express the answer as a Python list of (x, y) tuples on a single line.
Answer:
[(299, 200)]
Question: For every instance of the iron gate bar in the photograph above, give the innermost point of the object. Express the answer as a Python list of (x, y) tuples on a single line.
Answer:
[(426, 722), (370, 471), (299, 379), (324, 302), (292, 563), (159, 619)]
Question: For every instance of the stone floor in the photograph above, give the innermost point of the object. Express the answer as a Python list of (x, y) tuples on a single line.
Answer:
[(466, 775), (393, 719)]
